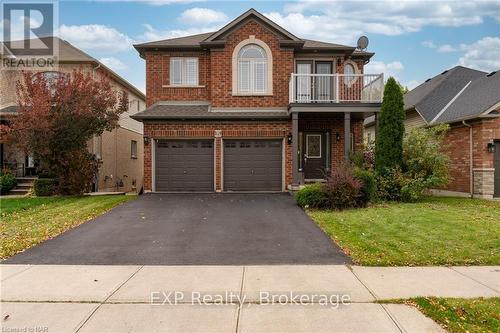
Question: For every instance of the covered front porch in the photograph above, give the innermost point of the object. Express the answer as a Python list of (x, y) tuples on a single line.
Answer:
[(323, 139)]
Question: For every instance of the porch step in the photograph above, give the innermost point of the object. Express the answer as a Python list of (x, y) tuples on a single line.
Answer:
[(18, 191), (24, 185)]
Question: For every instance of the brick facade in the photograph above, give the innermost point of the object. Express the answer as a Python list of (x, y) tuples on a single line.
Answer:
[(247, 129), (215, 86), (457, 144)]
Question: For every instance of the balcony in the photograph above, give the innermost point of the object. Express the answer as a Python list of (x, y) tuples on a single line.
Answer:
[(336, 88)]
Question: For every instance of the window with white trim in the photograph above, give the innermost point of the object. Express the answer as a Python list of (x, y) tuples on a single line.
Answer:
[(133, 149), (184, 71), (252, 70), (349, 71)]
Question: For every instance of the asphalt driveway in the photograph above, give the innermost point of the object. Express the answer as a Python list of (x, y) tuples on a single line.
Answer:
[(193, 229)]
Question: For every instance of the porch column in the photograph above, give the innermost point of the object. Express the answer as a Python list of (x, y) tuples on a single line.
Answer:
[(295, 149), (347, 135)]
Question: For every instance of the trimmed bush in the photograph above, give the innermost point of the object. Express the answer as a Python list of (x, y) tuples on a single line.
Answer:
[(7, 182), (342, 189), (369, 185), (44, 187), (312, 196)]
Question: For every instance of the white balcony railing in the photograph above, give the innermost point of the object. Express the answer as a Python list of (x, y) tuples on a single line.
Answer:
[(336, 88)]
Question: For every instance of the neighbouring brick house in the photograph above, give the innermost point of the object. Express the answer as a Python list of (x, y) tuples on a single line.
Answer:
[(469, 101), (251, 107), (120, 151)]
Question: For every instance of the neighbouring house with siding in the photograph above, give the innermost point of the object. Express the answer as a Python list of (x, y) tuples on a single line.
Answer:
[(469, 101), (120, 151)]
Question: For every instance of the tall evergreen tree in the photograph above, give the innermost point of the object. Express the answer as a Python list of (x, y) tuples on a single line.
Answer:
[(390, 131)]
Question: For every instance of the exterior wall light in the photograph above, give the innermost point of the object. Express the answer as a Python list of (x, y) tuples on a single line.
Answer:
[(146, 140), (289, 138), (337, 136), (491, 147)]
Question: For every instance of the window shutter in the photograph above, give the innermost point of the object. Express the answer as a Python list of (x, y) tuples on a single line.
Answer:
[(260, 76), (244, 76), (175, 71), (192, 72)]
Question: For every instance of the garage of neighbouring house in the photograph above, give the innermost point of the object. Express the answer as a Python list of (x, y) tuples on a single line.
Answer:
[(496, 164)]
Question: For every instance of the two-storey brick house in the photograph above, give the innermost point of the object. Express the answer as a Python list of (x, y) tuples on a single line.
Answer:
[(251, 107)]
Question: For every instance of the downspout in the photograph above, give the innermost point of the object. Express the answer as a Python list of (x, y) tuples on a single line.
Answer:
[(471, 174)]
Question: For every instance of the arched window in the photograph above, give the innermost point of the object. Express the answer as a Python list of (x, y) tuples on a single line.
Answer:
[(252, 69), (349, 71), (50, 77)]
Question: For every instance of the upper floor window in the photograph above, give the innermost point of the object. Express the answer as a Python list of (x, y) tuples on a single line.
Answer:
[(50, 78), (184, 71), (349, 71), (252, 68)]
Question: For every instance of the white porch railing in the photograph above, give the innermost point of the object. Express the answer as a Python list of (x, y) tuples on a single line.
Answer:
[(336, 88)]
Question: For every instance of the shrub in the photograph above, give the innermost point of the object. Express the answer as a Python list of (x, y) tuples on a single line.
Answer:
[(45, 187), (389, 184), (389, 140), (7, 182), (425, 166), (369, 185), (364, 158), (312, 196), (342, 189)]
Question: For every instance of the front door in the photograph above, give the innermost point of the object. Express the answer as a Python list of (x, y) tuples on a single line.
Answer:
[(314, 155)]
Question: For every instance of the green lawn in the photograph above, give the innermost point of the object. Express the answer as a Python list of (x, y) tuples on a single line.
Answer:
[(435, 231), (26, 222), (462, 315)]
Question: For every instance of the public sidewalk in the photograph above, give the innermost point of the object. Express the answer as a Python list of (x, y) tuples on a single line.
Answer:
[(230, 298)]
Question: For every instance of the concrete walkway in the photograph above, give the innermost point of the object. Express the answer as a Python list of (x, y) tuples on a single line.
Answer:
[(230, 298)]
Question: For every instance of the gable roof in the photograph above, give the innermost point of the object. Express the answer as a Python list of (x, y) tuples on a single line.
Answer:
[(216, 39), (67, 53), (435, 95), (252, 13), (480, 96)]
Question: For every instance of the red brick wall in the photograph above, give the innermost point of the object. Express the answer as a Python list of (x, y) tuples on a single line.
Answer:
[(158, 78), (457, 145), (335, 125), (278, 129), (221, 62), (484, 132)]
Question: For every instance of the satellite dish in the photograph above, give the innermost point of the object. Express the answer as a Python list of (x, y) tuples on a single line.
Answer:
[(362, 42)]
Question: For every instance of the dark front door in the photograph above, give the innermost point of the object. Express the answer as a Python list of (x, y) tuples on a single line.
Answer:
[(184, 165), (496, 164), (252, 165), (314, 155)]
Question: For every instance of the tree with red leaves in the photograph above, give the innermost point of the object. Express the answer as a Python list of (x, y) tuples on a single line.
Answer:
[(58, 115)]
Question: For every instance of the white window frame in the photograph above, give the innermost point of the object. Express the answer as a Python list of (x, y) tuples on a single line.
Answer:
[(268, 80), (320, 144), (350, 79), (184, 72), (133, 155)]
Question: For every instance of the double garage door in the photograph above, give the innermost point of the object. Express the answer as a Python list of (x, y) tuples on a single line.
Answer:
[(188, 165)]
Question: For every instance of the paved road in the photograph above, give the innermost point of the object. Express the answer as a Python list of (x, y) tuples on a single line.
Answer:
[(193, 229)]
